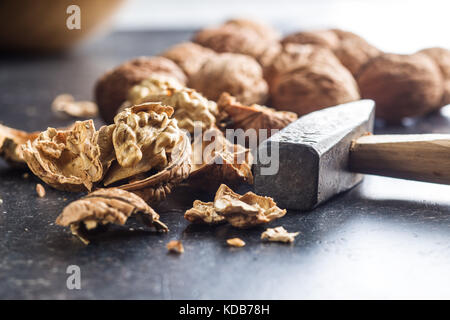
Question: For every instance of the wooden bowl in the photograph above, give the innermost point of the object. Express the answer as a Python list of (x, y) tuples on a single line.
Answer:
[(30, 25)]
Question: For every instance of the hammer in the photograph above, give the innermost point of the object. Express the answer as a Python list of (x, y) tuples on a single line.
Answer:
[(325, 152)]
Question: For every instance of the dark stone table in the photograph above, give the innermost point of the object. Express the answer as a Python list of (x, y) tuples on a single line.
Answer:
[(386, 238)]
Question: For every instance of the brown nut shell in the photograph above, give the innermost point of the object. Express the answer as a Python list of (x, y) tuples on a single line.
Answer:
[(441, 57), (325, 38), (401, 85), (263, 30), (237, 74), (112, 88), (305, 78), (10, 144)]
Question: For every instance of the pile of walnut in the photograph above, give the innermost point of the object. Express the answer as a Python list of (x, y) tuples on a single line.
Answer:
[(302, 72)]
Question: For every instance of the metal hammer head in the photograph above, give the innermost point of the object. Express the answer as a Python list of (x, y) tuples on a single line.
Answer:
[(313, 156)]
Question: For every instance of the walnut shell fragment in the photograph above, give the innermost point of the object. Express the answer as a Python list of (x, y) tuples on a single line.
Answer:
[(234, 115), (306, 78), (401, 85), (105, 206), (241, 211), (238, 74), (10, 144), (65, 105), (112, 88), (203, 212), (188, 56), (279, 234), (66, 159), (189, 105), (175, 246), (215, 160)]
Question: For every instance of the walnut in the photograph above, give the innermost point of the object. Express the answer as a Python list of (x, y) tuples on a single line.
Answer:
[(105, 206), (441, 57), (279, 234), (241, 211), (306, 78), (143, 136), (175, 246), (189, 105), (10, 144), (40, 190), (66, 159), (112, 88), (325, 38), (215, 161), (65, 105), (263, 30), (352, 50), (236, 242), (203, 212), (401, 85), (237, 74), (235, 115), (188, 56)]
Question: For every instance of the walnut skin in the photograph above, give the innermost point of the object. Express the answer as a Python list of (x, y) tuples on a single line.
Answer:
[(306, 78), (401, 85), (188, 56), (441, 57), (234, 115), (105, 206), (237, 74), (112, 88)]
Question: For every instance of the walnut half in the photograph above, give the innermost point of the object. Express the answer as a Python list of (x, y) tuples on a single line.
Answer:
[(105, 206)]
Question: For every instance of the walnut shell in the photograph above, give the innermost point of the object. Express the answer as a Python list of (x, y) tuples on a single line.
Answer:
[(112, 88), (441, 57), (263, 30), (234, 115), (188, 56), (325, 38), (67, 160), (10, 144), (215, 160), (305, 78), (401, 85), (105, 206), (237, 74)]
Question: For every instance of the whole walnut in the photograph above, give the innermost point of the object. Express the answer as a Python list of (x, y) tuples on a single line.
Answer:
[(264, 30), (441, 57), (325, 38), (112, 88), (401, 85), (188, 56), (352, 50), (237, 74), (305, 78), (235, 39)]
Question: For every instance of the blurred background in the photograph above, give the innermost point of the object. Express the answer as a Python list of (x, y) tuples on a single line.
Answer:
[(401, 26)]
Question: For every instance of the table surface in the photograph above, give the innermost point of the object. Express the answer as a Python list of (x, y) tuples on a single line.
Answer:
[(386, 238)]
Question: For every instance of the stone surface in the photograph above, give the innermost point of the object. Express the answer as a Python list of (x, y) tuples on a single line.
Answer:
[(385, 238), (313, 156)]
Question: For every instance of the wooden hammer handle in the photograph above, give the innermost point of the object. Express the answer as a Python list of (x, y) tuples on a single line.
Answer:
[(423, 157)]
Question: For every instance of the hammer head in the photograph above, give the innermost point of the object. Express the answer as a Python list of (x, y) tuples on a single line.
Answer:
[(313, 156)]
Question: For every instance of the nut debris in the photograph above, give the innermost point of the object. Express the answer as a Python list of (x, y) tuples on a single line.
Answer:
[(241, 211), (40, 190), (10, 144), (175, 246), (65, 105), (105, 206), (236, 242), (279, 234)]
